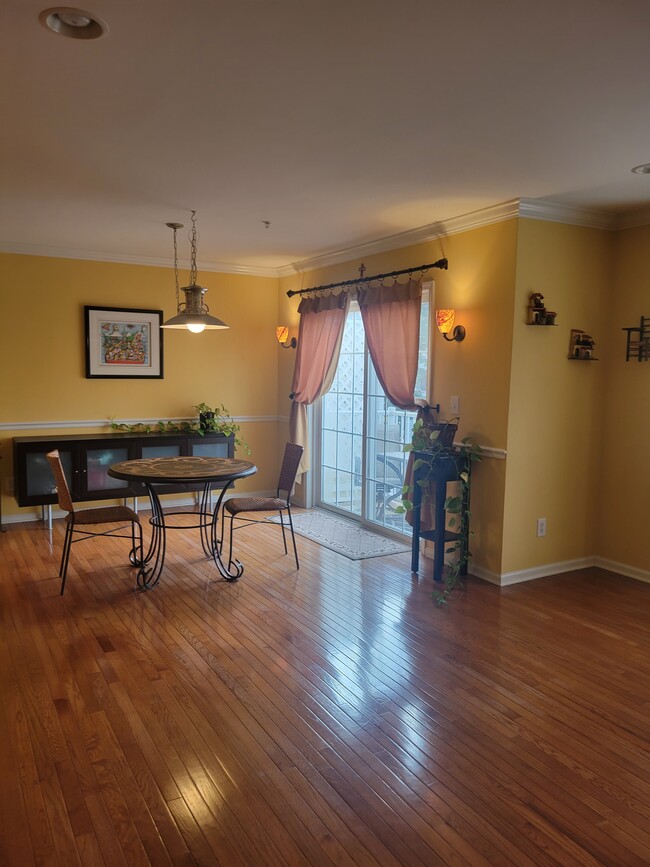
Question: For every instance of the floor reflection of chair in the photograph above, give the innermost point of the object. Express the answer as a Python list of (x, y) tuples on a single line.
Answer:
[(235, 506), (91, 517)]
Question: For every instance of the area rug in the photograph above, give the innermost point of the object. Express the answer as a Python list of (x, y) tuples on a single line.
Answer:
[(344, 537)]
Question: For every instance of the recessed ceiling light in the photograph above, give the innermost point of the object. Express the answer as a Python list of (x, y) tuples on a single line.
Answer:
[(75, 23), (642, 170)]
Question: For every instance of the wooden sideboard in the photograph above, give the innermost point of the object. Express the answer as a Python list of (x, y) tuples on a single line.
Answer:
[(87, 457)]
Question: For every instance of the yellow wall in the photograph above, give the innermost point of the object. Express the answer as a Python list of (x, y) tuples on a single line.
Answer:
[(480, 286), (42, 353), (575, 432), (624, 412), (556, 405)]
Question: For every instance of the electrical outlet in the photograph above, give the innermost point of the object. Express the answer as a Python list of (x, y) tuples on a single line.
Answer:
[(454, 405), (541, 527)]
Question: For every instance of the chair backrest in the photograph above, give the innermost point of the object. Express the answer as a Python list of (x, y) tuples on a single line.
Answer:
[(62, 490), (289, 469)]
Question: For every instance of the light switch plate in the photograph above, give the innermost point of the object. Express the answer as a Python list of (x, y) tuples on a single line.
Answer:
[(454, 405)]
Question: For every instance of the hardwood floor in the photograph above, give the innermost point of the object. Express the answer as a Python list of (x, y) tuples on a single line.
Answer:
[(331, 716)]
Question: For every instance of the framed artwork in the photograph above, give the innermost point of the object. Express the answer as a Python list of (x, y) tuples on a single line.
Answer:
[(123, 343)]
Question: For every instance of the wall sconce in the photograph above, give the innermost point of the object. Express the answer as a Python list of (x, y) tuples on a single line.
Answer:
[(445, 322), (282, 333)]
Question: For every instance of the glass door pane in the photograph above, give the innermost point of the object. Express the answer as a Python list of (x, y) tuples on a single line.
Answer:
[(342, 425), (98, 462)]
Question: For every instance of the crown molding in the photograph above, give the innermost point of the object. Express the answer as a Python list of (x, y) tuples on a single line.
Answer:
[(533, 209), (123, 259), (431, 232), (634, 220), (553, 212)]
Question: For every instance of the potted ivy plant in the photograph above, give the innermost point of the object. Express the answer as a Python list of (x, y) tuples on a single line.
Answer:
[(217, 419), (207, 417)]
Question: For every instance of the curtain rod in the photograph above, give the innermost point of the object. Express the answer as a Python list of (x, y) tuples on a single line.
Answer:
[(441, 263)]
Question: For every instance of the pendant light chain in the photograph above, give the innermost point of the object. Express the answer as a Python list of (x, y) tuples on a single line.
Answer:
[(193, 251), (178, 292)]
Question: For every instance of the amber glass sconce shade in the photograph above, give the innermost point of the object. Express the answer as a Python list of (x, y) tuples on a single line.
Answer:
[(445, 323), (282, 334)]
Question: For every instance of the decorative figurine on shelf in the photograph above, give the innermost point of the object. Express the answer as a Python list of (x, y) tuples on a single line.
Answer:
[(581, 345), (539, 315)]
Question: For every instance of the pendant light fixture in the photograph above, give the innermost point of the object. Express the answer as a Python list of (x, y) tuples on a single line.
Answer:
[(192, 313)]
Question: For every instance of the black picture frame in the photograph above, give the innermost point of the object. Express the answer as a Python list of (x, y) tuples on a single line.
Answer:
[(123, 343)]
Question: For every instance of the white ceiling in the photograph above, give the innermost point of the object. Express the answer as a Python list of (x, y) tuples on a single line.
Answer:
[(340, 121)]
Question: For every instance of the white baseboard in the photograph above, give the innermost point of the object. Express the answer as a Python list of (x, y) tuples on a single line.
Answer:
[(485, 575), (545, 570), (508, 578), (622, 569)]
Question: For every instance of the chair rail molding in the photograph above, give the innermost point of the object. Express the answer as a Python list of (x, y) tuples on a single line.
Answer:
[(103, 422)]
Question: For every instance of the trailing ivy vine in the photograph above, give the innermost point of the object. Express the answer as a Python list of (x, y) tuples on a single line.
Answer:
[(211, 420)]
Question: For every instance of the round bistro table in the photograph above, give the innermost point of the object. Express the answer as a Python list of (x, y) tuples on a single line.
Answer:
[(183, 470)]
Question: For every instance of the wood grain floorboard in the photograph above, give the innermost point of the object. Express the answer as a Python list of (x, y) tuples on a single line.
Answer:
[(330, 715)]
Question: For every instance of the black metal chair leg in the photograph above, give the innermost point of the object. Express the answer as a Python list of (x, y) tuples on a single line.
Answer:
[(65, 556), (293, 537), (284, 535)]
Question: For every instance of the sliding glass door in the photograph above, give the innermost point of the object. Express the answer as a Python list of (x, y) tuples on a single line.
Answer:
[(362, 434)]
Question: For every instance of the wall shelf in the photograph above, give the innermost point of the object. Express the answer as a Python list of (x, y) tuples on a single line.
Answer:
[(537, 312), (581, 346)]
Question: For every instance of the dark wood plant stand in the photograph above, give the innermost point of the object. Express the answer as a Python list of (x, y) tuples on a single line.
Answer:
[(437, 473)]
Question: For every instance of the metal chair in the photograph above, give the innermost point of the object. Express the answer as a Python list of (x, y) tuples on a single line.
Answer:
[(236, 505), (89, 517), (390, 469)]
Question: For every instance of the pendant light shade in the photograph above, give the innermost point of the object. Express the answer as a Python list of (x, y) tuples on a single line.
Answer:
[(192, 313)]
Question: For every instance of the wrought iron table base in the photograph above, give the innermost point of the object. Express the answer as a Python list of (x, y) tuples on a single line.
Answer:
[(151, 564)]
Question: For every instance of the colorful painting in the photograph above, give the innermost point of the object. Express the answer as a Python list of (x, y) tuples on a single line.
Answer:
[(123, 343)]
